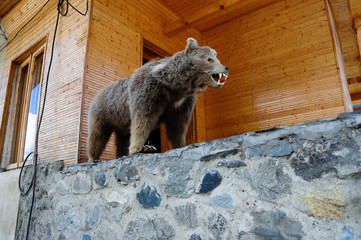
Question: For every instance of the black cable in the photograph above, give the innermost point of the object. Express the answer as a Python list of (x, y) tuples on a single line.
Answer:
[(33, 181), (22, 192)]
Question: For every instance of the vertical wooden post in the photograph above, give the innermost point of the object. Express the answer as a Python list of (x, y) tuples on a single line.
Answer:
[(357, 22), (344, 85)]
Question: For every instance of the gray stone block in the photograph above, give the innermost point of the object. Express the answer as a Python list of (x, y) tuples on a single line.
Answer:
[(100, 179), (223, 200), (231, 163), (195, 236), (126, 172), (273, 225), (221, 154), (152, 229), (148, 196), (284, 149), (82, 183), (179, 183), (66, 218), (268, 179), (217, 225), (91, 217), (210, 179), (186, 214)]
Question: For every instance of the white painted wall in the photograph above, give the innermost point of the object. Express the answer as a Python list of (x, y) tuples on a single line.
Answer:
[(9, 203)]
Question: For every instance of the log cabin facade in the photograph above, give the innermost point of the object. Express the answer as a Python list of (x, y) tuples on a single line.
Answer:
[(290, 61)]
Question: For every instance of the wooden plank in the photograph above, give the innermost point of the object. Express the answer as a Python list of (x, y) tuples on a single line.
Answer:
[(214, 14), (63, 100), (281, 58)]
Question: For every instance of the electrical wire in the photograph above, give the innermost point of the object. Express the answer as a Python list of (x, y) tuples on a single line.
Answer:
[(33, 181)]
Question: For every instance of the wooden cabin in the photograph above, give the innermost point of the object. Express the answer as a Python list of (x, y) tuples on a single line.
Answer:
[(290, 61)]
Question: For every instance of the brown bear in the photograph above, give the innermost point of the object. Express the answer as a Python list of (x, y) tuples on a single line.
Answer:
[(162, 90)]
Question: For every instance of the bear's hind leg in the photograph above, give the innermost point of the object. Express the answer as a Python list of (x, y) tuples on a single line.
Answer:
[(97, 141), (122, 144)]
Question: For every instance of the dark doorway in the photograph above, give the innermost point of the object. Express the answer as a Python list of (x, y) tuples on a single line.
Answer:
[(151, 52)]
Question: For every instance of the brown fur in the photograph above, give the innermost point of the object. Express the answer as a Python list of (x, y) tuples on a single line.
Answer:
[(163, 90)]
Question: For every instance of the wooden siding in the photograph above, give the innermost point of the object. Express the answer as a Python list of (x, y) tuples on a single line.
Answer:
[(58, 138), (117, 30), (282, 69)]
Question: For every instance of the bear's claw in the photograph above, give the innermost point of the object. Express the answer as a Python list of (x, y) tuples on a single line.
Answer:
[(145, 149)]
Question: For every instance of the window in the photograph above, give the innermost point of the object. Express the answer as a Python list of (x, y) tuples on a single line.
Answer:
[(22, 107)]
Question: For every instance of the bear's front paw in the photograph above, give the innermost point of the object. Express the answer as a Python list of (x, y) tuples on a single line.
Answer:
[(90, 159), (143, 149)]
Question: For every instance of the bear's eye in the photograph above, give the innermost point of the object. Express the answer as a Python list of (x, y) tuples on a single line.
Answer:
[(210, 60)]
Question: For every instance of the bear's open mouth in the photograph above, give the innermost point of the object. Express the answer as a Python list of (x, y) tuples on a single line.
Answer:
[(220, 78)]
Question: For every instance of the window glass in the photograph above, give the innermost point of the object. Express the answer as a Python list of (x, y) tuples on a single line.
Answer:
[(33, 107)]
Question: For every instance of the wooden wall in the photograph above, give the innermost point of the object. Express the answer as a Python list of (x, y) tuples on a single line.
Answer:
[(58, 138), (117, 30), (282, 69)]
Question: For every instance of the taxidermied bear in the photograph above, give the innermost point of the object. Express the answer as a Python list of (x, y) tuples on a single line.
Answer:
[(162, 90)]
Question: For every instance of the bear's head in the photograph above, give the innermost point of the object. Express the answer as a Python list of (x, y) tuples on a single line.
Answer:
[(204, 60)]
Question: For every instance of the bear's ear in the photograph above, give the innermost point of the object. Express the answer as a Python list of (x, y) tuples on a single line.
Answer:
[(214, 52), (191, 44)]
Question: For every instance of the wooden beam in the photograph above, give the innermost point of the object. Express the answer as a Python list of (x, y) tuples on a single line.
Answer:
[(355, 6), (6, 5), (215, 14), (354, 88)]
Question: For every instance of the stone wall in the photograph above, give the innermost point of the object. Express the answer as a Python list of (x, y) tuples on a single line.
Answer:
[(299, 182)]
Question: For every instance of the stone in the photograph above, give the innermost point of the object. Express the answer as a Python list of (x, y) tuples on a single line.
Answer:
[(274, 225), (311, 194), (223, 200), (179, 183), (347, 233), (105, 232), (231, 163), (82, 183), (210, 179), (195, 236), (62, 188), (117, 210), (325, 202), (61, 237), (148, 196), (221, 154), (126, 172), (86, 236), (156, 228), (217, 225), (100, 179), (284, 149), (268, 179), (186, 214), (316, 159), (91, 217), (250, 153), (66, 218)]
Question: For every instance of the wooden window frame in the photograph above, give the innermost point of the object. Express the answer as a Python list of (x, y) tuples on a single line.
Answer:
[(16, 144)]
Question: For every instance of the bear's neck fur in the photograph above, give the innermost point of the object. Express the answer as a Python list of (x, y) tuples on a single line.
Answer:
[(180, 74)]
